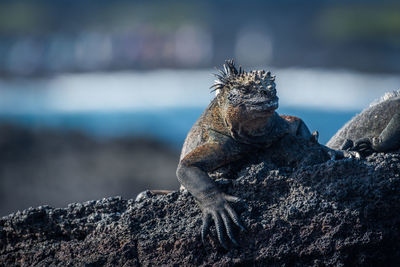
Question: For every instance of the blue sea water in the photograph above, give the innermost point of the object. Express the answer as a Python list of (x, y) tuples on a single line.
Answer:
[(168, 125), (164, 104)]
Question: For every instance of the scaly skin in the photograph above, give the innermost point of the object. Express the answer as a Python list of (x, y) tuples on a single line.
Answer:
[(239, 119), (375, 129)]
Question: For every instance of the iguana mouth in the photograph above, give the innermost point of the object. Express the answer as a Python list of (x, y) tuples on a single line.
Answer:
[(263, 106)]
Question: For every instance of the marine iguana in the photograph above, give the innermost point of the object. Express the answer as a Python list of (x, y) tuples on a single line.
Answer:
[(375, 129), (240, 119)]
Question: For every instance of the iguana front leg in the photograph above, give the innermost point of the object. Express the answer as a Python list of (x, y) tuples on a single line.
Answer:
[(389, 139), (192, 174)]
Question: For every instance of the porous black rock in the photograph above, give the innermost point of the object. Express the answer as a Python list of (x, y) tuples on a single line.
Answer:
[(313, 212)]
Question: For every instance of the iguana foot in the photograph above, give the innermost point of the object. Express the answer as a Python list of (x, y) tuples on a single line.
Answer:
[(363, 146), (218, 209)]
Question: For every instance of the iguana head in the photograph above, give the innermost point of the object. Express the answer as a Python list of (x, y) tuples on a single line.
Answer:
[(246, 99)]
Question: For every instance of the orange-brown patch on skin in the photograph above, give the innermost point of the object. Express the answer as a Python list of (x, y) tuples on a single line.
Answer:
[(209, 156), (202, 156), (215, 121), (290, 118), (234, 115)]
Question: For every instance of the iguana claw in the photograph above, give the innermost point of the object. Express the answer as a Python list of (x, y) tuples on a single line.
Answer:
[(362, 146), (223, 215)]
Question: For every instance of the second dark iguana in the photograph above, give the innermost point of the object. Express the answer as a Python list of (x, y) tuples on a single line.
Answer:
[(240, 119), (375, 129)]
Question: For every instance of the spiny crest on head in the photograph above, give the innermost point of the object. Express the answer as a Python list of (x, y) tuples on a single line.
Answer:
[(230, 77), (226, 75)]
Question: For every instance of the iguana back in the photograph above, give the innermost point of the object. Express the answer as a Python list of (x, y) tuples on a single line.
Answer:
[(370, 122)]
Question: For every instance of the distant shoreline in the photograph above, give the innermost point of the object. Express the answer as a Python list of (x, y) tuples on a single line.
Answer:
[(167, 125)]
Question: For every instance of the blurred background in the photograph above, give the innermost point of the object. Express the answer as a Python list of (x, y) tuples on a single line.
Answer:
[(96, 97)]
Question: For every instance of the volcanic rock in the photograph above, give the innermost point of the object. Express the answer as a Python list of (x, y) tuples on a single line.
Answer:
[(311, 211)]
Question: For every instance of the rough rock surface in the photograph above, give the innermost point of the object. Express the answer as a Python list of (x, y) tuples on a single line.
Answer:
[(310, 212)]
